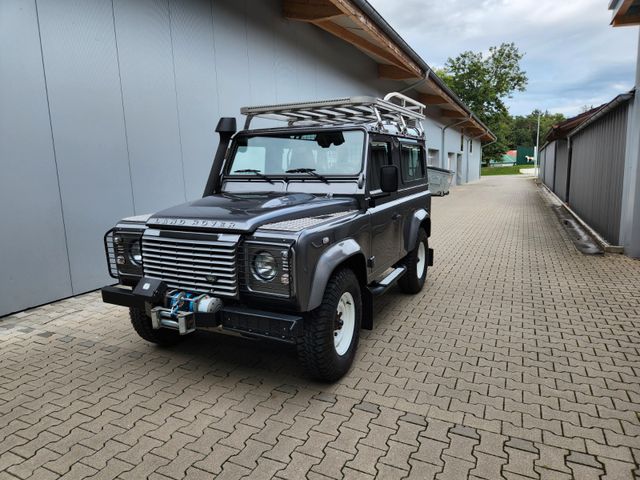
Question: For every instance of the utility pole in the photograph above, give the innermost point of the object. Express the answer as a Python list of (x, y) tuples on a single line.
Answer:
[(535, 155)]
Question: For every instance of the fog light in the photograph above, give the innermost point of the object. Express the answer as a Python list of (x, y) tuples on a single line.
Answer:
[(120, 260)]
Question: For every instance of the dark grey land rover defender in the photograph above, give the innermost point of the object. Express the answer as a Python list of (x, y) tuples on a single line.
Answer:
[(298, 229)]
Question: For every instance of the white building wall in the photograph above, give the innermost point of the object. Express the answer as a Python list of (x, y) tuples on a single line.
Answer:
[(455, 155), (109, 110)]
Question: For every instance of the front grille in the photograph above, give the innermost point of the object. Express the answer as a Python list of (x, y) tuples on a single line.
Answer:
[(197, 263)]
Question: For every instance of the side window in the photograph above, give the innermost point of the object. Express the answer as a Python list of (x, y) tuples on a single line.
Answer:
[(380, 154), (411, 162)]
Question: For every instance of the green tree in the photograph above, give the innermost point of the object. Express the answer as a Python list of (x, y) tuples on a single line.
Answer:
[(484, 82), (523, 127)]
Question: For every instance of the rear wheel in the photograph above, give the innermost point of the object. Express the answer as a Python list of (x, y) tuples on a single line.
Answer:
[(416, 262), (142, 325), (332, 330)]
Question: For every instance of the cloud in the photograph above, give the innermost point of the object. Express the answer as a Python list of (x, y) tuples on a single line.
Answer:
[(573, 57)]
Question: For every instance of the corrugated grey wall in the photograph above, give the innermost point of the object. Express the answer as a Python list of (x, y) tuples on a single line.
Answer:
[(33, 263), (597, 168), (549, 164), (561, 169), (541, 164), (108, 109)]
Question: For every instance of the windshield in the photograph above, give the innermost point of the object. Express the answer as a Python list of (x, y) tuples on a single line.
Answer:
[(324, 153)]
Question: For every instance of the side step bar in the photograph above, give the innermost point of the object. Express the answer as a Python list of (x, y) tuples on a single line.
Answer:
[(383, 285)]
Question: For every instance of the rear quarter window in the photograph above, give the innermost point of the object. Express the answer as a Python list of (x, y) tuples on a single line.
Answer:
[(412, 163)]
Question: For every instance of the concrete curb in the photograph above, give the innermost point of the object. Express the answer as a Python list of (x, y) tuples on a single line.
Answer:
[(606, 246)]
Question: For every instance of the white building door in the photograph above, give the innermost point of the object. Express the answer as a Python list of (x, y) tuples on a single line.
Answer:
[(459, 177), (451, 159)]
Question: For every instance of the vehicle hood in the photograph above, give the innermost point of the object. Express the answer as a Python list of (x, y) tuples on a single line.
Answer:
[(248, 211)]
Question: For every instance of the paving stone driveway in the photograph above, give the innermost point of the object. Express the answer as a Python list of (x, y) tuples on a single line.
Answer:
[(521, 359)]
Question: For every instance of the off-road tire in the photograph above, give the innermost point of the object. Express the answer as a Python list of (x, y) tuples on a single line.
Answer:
[(316, 348), (410, 282), (142, 325)]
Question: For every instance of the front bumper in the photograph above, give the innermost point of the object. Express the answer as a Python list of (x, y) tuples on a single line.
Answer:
[(237, 319)]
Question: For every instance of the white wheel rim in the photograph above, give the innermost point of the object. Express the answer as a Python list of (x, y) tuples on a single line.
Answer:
[(422, 260), (345, 323)]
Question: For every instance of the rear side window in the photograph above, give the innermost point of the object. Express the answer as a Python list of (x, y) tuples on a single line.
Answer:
[(411, 163), (380, 154)]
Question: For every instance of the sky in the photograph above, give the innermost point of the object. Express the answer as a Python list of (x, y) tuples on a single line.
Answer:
[(573, 57)]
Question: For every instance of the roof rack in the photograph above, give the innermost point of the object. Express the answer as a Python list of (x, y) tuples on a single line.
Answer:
[(395, 110)]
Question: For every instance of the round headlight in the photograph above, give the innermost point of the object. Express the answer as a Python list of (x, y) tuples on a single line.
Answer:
[(135, 253), (265, 266)]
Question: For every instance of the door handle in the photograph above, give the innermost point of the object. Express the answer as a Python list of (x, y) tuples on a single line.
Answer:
[(395, 217)]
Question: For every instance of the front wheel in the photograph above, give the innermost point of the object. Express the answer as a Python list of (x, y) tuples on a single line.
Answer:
[(331, 331), (416, 262)]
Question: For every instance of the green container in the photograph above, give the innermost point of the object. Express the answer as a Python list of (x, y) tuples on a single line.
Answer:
[(522, 154)]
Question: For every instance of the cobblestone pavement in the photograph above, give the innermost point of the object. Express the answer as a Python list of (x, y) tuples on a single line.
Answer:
[(520, 359)]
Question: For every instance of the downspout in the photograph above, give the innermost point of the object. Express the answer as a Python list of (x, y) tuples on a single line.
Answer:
[(443, 130), (416, 84)]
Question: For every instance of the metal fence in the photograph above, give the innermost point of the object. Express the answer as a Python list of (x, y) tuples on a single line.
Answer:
[(596, 172)]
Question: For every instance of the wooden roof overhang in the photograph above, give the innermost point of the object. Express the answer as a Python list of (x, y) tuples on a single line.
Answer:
[(346, 20), (625, 12)]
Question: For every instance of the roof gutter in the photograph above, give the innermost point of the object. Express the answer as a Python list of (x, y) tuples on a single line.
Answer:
[(620, 99), (372, 13)]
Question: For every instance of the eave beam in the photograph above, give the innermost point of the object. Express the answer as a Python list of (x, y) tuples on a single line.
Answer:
[(393, 72), (359, 42), (310, 10), (453, 114), (432, 99)]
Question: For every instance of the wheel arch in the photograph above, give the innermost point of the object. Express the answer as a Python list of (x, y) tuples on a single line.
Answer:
[(344, 254), (420, 219)]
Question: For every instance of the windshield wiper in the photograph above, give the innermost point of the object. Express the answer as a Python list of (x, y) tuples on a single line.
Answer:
[(255, 172), (311, 171)]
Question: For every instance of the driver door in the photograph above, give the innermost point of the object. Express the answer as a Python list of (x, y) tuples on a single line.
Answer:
[(383, 210)]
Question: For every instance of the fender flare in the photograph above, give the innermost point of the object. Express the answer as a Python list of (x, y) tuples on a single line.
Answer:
[(327, 263), (419, 217)]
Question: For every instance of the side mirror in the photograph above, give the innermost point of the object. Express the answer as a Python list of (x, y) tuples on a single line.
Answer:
[(389, 178)]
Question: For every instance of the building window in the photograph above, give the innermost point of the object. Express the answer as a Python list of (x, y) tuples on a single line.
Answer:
[(432, 157), (470, 146), (462, 142)]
